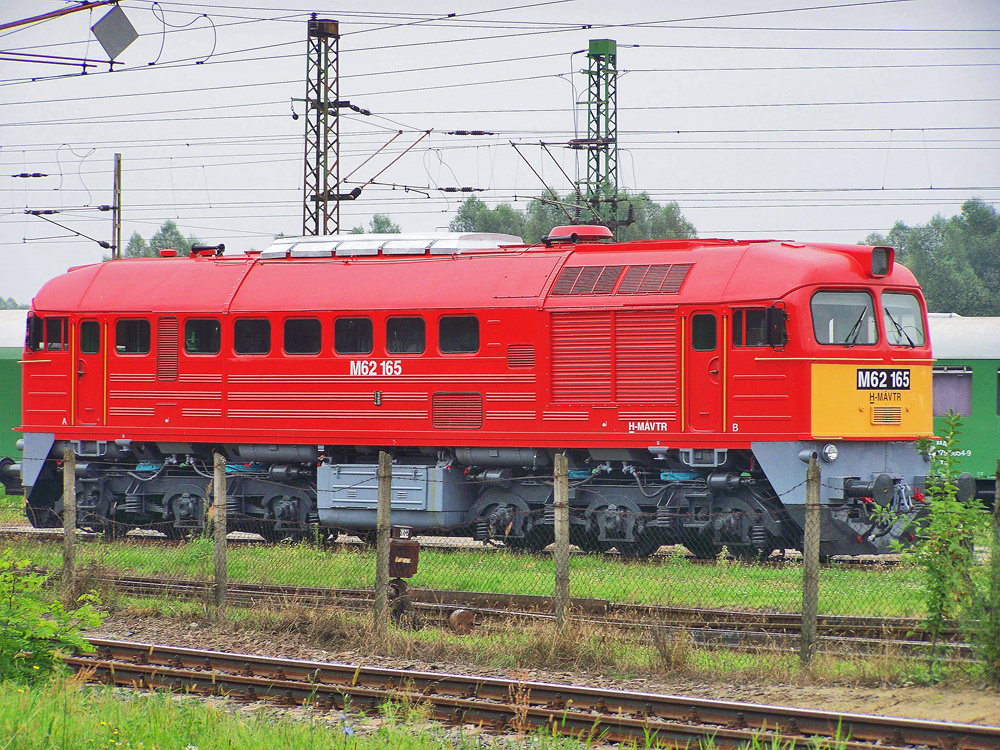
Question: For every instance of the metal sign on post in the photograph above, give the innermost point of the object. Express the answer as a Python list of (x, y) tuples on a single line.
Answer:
[(115, 32)]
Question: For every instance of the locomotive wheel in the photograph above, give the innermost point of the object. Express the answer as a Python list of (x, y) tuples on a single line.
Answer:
[(286, 518)]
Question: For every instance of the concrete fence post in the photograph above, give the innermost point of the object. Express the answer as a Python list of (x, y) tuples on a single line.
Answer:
[(382, 542), (810, 565), (69, 519), (219, 512), (561, 508)]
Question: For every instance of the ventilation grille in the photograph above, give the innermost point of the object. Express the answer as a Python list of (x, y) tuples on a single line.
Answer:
[(457, 411), (578, 281), (167, 345), (646, 356), (520, 355), (581, 357), (887, 415)]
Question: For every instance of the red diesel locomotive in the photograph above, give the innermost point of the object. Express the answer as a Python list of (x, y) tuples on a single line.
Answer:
[(685, 379)]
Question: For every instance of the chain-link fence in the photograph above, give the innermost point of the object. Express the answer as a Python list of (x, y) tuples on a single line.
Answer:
[(300, 558)]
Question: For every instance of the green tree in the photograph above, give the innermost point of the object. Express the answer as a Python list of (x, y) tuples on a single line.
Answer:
[(475, 216), (11, 304), (382, 224), (956, 260), (168, 237)]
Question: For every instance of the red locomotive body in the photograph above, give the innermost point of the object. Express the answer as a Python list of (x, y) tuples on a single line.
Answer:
[(683, 377)]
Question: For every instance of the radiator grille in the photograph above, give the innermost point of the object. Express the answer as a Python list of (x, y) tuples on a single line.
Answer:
[(167, 345), (646, 356), (457, 411), (664, 278), (520, 355), (887, 415), (581, 357)]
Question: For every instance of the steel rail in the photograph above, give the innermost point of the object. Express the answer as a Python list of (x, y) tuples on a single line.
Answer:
[(613, 715)]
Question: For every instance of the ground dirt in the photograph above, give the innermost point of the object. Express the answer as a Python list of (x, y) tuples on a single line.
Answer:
[(957, 704)]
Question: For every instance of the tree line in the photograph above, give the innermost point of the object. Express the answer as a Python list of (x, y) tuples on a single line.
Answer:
[(956, 260)]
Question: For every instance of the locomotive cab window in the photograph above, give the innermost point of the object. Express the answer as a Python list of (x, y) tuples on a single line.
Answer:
[(202, 336), (303, 336), (459, 334), (750, 327), (844, 318), (703, 332), (902, 319), (132, 336), (405, 335), (46, 334), (353, 336), (90, 337), (252, 336)]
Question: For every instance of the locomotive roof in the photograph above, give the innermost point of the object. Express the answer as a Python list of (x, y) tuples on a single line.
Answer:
[(957, 337), (452, 271)]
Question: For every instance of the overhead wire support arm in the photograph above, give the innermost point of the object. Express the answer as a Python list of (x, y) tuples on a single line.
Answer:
[(541, 180), (42, 214), (405, 152)]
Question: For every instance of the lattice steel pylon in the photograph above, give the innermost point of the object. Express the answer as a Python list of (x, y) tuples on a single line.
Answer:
[(322, 168), (601, 186)]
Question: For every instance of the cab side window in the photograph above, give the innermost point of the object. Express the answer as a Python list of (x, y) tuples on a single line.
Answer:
[(252, 336), (703, 332), (202, 336), (750, 327), (459, 334), (132, 336), (405, 335), (303, 336)]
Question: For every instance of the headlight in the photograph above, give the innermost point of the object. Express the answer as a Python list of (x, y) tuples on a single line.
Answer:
[(830, 453)]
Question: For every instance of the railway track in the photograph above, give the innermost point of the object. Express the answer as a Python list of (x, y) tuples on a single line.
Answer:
[(500, 704), (731, 629)]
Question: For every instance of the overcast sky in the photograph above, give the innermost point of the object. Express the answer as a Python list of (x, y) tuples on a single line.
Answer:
[(768, 118)]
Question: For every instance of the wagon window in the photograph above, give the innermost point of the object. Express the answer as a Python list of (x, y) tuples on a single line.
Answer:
[(303, 336), (405, 335), (252, 336), (903, 321), (703, 334), (459, 334), (952, 391), (750, 327), (202, 336), (90, 337), (132, 336), (353, 336), (844, 318)]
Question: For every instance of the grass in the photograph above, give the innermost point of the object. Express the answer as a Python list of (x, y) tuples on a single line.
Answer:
[(889, 591), (65, 715)]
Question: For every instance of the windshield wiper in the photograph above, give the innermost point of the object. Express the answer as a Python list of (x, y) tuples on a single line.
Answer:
[(899, 328), (855, 331)]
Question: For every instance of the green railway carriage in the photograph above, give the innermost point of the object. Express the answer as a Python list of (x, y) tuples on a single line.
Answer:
[(11, 346), (967, 381)]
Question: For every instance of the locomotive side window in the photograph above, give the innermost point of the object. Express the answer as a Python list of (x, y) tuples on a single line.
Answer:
[(952, 391), (703, 332), (303, 336), (405, 335), (90, 337), (132, 336), (904, 325), (55, 334), (750, 327), (353, 336), (252, 336), (202, 336), (459, 334), (844, 318)]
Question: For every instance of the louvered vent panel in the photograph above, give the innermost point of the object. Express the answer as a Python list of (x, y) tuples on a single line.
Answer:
[(887, 415), (457, 411), (633, 277), (646, 356), (653, 279), (167, 346), (520, 355), (675, 278), (564, 284), (581, 357), (588, 278), (609, 277)]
